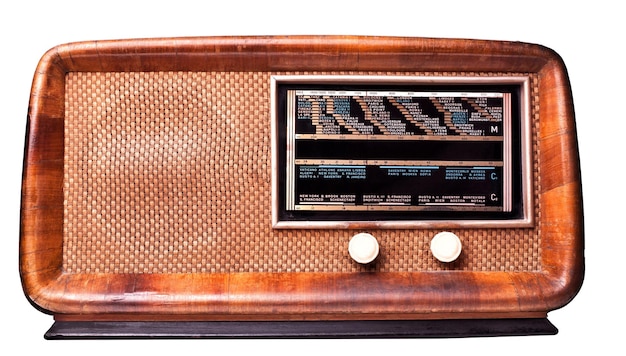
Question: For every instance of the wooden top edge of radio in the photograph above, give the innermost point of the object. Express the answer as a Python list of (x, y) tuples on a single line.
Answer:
[(52, 290), (284, 53)]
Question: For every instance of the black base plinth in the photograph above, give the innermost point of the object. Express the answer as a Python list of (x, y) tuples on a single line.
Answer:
[(300, 329)]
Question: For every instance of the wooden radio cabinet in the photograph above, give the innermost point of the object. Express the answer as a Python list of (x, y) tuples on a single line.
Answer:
[(200, 187)]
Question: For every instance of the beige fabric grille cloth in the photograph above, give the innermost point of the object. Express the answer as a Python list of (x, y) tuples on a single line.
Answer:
[(169, 172)]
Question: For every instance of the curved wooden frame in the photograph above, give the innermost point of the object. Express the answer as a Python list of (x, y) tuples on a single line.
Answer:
[(291, 296)]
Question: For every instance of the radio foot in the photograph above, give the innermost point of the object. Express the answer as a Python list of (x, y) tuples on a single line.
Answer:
[(300, 329)]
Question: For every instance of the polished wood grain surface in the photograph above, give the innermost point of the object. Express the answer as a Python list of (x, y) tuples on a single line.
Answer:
[(311, 295)]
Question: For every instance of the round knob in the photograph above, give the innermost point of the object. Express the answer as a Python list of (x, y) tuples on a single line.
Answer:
[(446, 246), (363, 248)]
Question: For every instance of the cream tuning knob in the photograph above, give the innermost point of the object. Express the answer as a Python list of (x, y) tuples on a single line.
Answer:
[(446, 246), (363, 248)]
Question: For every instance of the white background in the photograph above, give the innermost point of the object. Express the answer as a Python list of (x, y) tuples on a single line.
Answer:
[(586, 35)]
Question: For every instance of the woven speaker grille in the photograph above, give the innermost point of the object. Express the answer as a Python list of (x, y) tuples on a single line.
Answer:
[(169, 172)]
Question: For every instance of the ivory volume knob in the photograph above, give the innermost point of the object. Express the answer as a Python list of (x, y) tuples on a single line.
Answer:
[(446, 246), (363, 248)]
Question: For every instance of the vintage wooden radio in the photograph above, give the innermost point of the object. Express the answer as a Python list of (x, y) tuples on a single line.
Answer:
[(333, 186)]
